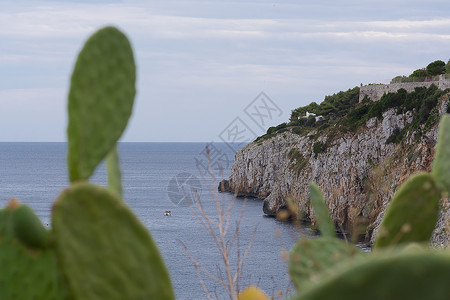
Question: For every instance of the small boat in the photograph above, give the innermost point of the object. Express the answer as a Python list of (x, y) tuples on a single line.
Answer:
[(167, 213)]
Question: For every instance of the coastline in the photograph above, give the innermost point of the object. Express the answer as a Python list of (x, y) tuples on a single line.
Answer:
[(358, 173)]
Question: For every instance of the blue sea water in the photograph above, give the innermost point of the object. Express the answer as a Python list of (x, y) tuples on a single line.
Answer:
[(153, 177)]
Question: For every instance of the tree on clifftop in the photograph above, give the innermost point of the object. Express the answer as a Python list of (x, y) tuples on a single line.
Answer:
[(419, 73), (436, 68)]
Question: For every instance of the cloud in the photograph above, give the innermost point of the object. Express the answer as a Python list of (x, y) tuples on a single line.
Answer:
[(410, 24), (62, 20), (195, 56)]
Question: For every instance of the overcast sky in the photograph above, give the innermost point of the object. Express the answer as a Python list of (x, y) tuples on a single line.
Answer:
[(202, 63)]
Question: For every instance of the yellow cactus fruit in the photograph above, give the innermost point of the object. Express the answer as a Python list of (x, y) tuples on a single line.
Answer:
[(252, 293)]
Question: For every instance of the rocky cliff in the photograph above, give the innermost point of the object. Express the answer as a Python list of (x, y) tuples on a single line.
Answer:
[(357, 172)]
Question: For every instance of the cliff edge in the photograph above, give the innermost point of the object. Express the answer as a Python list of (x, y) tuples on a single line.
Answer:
[(357, 171)]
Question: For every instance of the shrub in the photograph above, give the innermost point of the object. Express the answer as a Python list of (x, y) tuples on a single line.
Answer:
[(393, 137), (428, 104), (298, 161), (311, 121), (328, 268), (271, 130), (344, 110), (419, 73), (319, 147), (436, 68), (297, 130)]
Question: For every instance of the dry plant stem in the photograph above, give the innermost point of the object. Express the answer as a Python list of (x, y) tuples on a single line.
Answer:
[(229, 280), (198, 269), (343, 233), (242, 259), (208, 223), (220, 205)]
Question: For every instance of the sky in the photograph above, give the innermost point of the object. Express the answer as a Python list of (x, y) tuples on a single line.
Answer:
[(208, 68)]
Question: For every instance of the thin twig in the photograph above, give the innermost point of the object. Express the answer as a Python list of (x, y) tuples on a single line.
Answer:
[(197, 267), (218, 229)]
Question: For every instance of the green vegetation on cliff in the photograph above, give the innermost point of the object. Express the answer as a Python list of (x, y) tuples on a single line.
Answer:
[(332, 108), (401, 266), (422, 103), (98, 249), (433, 69), (342, 113)]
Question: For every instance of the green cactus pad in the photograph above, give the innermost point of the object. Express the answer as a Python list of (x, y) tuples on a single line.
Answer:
[(28, 228), (441, 162), (104, 251), (114, 173), (312, 260), (2, 220), (100, 100), (321, 212), (412, 213), (422, 275), (5, 224), (26, 273)]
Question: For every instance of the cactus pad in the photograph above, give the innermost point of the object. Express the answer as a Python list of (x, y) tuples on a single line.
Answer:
[(321, 212), (412, 214), (114, 173), (441, 163), (422, 275), (100, 100), (2, 220), (28, 228), (104, 251), (26, 273), (312, 260)]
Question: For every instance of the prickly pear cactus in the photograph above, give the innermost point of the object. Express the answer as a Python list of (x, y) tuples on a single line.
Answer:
[(313, 260), (441, 162), (26, 272), (321, 213), (103, 250), (97, 248), (391, 276), (28, 228), (100, 100), (412, 213), (114, 173)]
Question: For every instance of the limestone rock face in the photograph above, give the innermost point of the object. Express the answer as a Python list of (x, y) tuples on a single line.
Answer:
[(274, 202), (358, 173)]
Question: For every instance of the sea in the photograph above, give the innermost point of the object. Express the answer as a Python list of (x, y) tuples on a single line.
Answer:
[(160, 177)]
